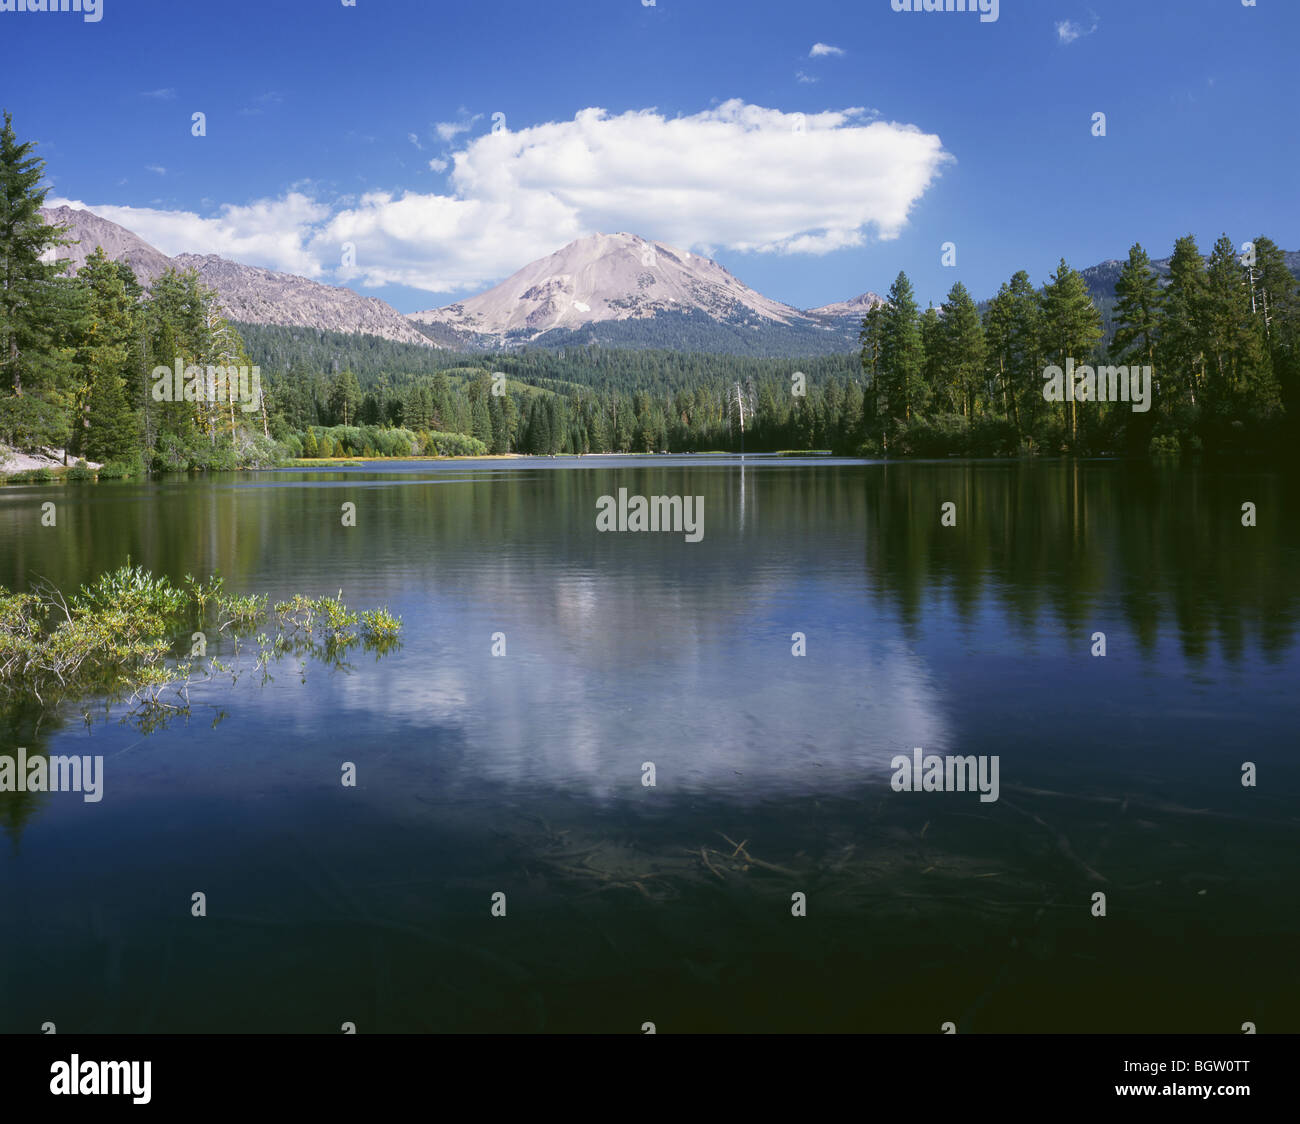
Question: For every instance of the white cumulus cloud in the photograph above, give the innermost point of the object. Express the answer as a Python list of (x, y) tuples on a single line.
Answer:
[(270, 232), (736, 176), (820, 49)]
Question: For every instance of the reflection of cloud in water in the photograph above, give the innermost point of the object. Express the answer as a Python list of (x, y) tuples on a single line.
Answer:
[(741, 720)]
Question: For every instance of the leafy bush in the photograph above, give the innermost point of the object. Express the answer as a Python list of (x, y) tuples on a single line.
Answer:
[(452, 445), (933, 437), (241, 613), (133, 590), (1165, 445), (358, 441), (380, 624), (79, 473), (197, 453), (171, 454), (993, 436), (113, 637), (201, 593), (336, 618), (204, 457)]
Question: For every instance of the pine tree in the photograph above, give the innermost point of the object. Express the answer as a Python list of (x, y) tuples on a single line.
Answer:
[(107, 427), (1027, 347), (852, 433), (1275, 301), (624, 426), (903, 392), (997, 336), (345, 398), (481, 420), (510, 417), (962, 349), (539, 429), (441, 399), (1071, 325), (38, 307), (871, 338), (598, 431), (1239, 377), (1181, 348), (558, 408), (1138, 307), (832, 414), (934, 370)]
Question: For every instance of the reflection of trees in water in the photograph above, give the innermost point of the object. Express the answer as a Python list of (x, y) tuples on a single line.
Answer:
[(26, 724), (1073, 540)]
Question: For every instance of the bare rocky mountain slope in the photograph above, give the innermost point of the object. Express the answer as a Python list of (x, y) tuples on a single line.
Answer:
[(247, 293)]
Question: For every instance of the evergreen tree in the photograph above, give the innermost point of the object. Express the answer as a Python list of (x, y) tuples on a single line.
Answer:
[(624, 426), (1240, 384), (832, 402), (871, 338), (1181, 347), (1138, 307), (1071, 326), (38, 307), (939, 386), (345, 398), (598, 432), (851, 433), (441, 395), (998, 358), (962, 348), (107, 428), (903, 392), (1275, 302), (371, 412), (539, 429), (481, 420), (1027, 347)]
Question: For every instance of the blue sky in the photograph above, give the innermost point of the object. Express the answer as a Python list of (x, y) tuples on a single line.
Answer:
[(918, 129)]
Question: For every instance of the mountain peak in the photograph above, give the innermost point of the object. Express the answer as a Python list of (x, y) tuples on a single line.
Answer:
[(856, 306), (607, 277)]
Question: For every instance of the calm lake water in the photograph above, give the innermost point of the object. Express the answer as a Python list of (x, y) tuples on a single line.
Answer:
[(523, 773)]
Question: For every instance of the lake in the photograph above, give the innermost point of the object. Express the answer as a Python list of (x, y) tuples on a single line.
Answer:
[(548, 670)]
